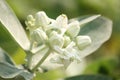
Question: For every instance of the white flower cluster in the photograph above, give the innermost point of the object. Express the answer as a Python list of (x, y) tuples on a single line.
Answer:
[(58, 36)]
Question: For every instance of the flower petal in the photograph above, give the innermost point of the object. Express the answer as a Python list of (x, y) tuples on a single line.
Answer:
[(62, 21), (67, 41), (41, 19), (39, 36), (56, 40), (83, 42), (73, 29), (57, 59), (30, 23)]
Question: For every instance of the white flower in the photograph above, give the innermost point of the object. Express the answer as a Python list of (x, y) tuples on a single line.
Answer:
[(73, 29), (38, 36), (62, 21), (58, 35), (30, 23), (42, 19), (56, 40), (83, 42)]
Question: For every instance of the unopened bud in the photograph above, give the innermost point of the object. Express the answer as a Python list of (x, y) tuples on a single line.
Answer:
[(66, 41), (41, 19), (56, 40), (73, 29), (39, 36), (83, 41), (30, 22), (62, 21)]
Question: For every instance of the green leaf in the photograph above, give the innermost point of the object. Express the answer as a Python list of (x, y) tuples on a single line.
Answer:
[(26, 75), (85, 19), (99, 31), (90, 77), (10, 46), (12, 25), (9, 71), (4, 57)]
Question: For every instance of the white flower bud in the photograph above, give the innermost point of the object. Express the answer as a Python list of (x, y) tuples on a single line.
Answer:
[(56, 59), (41, 19), (62, 21), (71, 54), (55, 36), (30, 18), (30, 22), (39, 36), (56, 40), (73, 29), (60, 60), (83, 41), (51, 28), (66, 41), (52, 33)]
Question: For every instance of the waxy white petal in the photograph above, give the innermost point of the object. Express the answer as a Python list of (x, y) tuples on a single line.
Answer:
[(39, 36), (56, 40), (30, 23), (41, 19), (67, 41), (83, 42), (73, 29), (62, 21)]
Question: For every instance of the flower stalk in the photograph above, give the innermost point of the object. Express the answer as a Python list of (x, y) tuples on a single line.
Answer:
[(41, 61)]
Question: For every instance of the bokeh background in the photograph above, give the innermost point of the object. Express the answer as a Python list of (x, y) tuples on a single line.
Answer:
[(106, 60)]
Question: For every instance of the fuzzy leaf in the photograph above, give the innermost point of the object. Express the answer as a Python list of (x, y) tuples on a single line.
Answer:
[(85, 19), (12, 25), (9, 71), (99, 30), (4, 57)]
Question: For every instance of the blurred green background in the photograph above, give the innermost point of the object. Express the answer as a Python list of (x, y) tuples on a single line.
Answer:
[(106, 60)]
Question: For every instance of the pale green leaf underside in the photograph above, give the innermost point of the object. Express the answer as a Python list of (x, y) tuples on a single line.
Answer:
[(12, 25), (85, 19), (99, 31), (27, 75), (9, 71), (4, 57)]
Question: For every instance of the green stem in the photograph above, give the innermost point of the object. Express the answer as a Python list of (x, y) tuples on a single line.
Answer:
[(41, 61), (29, 58)]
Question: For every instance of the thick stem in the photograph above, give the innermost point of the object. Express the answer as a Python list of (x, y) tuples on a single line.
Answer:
[(29, 56), (29, 59), (41, 61)]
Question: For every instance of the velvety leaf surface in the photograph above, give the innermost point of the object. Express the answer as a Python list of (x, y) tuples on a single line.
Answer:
[(85, 19), (9, 71), (4, 57), (10, 46), (26, 75), (99, 31), (12, 25)]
